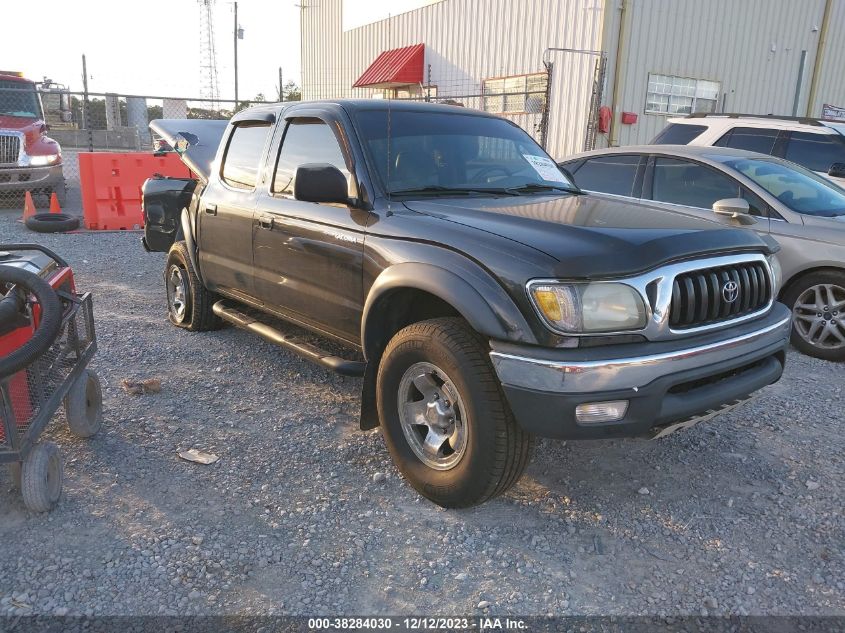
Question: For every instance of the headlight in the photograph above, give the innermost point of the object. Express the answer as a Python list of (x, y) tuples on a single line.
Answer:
[(777, 272), (589, 307), (46, 159)]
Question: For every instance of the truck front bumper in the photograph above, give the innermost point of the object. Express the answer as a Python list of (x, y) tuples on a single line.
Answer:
[(30, 178), (666, 384)]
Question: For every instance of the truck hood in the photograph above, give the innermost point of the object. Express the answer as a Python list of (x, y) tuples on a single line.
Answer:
[(593, 236), (20, 123), (196, 141), (31, 128)]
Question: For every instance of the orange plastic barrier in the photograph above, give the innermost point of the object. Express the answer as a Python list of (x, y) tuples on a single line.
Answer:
[(111, 186)]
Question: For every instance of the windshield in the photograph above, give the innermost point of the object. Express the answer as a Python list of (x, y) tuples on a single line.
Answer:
[(441, 153), (18, 98), (799, 189)]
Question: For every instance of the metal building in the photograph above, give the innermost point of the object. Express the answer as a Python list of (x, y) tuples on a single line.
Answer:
[(551, 64)]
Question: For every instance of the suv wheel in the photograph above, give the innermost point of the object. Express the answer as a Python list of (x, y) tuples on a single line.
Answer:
[(188, 301), (818, 314), (444, 416)]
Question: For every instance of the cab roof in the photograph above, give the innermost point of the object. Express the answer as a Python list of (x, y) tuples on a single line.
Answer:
[(353, 105)]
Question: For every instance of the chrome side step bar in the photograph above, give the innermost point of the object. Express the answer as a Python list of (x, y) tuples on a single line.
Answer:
[(308, 351)]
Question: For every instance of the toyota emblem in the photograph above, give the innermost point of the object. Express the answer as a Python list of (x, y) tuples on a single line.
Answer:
[(730, 291)]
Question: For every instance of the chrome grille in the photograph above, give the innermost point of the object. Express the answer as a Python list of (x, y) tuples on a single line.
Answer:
[(713, 295), (10, 149)]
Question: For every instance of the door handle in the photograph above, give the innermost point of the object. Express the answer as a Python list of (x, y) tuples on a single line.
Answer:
[(265, 222), (211, 209)]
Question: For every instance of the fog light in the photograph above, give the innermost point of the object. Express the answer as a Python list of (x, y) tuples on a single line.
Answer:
[(594, 412)]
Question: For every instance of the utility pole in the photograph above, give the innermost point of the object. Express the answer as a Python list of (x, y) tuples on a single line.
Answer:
[(86, 110), (281, 86), (236, 33)]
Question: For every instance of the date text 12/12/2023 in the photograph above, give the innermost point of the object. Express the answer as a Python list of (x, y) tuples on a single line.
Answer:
[(418, 623)]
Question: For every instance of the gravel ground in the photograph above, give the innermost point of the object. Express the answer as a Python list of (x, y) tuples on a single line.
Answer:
[(305, 514)]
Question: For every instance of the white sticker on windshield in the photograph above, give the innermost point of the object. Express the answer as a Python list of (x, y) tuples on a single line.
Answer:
[(545, 167)]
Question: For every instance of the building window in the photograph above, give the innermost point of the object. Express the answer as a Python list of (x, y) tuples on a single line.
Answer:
[(511, 95), (680, 95)]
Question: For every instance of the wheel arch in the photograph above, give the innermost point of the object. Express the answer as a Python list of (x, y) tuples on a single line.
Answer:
[(448, 294), (186, 232), (407, 293), (788, 284)]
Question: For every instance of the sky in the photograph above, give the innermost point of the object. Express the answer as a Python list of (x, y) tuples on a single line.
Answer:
[(151, 47)]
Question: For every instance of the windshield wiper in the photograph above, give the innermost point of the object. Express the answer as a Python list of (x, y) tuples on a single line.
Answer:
[(536, 187), (460, 191)]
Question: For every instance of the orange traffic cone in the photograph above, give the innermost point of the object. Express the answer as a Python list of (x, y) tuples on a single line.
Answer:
[(28, 207), (54, 204)]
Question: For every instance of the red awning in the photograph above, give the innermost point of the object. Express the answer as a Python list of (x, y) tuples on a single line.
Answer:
[(396, 67)]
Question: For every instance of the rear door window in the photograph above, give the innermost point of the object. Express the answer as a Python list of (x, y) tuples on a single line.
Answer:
[(753, 139), (690, 184), (615, 174), (678, 134), (243, 155), (815, 151)]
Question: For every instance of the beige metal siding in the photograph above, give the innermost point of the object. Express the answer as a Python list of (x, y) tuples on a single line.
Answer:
[(831, 86), (466, 42), (321, 50), (753, 47)]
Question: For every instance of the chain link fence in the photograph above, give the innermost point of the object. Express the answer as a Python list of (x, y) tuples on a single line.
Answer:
[(556, 100), (43, 131), (36, 120), (523, 98)]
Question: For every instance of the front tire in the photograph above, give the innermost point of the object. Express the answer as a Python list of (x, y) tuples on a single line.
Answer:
[(817, 301), (444, 416), (188, 301), (41, 477)]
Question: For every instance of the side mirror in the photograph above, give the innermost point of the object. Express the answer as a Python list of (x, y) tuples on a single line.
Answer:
[(734, 208), (837, 170), (320, 182)]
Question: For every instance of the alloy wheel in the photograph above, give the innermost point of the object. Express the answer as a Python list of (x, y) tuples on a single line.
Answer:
[(433, 416), (819, 316), (177, 292)]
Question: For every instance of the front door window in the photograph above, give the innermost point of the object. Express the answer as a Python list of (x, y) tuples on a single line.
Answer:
[(690, 184)]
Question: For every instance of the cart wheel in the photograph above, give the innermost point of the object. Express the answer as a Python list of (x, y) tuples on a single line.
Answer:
[(84, 405), (15, 474), (41, 477)]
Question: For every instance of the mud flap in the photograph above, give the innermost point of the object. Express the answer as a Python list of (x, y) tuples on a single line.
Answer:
[(369, 406)]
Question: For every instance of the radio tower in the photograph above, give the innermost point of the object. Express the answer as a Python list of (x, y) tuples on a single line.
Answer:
[(208, 57)]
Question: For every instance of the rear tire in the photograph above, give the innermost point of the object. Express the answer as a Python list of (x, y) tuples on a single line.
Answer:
[(817, 301), (41, 477), (84, 405), (444, 416), (189, 303)]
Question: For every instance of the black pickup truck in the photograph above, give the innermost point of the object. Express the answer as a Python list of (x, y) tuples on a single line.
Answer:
[(483, 298)]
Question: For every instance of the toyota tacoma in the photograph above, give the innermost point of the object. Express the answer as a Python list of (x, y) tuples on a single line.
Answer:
[(483, 297)]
